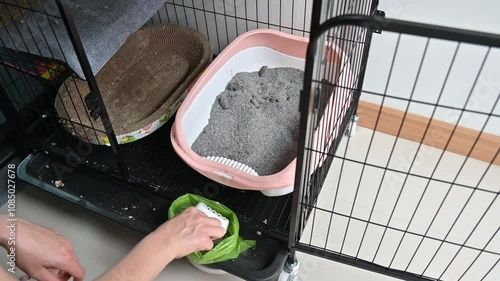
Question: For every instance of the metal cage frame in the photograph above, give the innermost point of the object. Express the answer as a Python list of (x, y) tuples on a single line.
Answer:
[(304, 206)]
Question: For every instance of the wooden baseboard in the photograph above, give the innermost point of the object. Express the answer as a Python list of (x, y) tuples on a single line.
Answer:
[(437, 135)]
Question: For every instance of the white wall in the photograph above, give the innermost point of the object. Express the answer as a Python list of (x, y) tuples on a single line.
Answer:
[(222, 30), (480, 15)]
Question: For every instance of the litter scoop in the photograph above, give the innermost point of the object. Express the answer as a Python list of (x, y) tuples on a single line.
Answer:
[(211, 213)]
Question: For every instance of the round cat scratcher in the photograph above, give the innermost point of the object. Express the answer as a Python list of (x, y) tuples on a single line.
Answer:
[(142, 85)]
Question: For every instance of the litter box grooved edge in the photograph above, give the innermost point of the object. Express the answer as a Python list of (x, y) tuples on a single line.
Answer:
[(142, 85)]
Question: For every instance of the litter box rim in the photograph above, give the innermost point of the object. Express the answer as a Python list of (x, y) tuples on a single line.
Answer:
[(279, 183)]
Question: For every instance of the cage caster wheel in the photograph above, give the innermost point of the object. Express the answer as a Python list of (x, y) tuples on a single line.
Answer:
[(290, 272), (352, 127)]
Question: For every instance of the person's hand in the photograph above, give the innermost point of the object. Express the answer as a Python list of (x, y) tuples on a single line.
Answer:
[(44, 254), (189, 232)]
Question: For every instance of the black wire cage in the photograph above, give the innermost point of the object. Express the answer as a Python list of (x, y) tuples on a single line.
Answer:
[(409, 192)]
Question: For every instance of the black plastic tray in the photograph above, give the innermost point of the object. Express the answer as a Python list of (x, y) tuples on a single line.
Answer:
[(153, 165), (144, 210)]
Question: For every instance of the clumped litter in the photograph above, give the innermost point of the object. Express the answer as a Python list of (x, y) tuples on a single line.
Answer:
[(255, 120)]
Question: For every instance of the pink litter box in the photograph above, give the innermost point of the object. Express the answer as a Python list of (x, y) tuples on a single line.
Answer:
[(248, 53)]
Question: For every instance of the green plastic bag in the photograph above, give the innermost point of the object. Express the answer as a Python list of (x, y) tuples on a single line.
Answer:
[(227, 249)]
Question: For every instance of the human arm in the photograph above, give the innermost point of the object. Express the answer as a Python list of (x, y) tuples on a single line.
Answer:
[(40, 252), (189, 232), (5, 276)]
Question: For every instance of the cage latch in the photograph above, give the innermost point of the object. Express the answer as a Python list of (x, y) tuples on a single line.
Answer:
[(92, 105), (379, 13)]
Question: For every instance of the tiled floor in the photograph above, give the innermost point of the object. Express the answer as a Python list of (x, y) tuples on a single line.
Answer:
[(354, 206), (99, 244)]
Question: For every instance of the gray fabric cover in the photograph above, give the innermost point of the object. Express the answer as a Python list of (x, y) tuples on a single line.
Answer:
[(103, 26)]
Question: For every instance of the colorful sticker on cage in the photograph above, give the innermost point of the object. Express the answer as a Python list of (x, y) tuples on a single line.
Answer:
[(31, 64), (146, 130), (164, 118), (49, 71), (104, 140), (127, 139)]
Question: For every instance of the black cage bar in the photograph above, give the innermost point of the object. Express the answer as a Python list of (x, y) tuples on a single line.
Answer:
[(387, 206)]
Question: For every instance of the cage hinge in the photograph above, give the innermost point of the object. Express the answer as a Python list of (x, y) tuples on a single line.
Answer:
[(91, 101), (379, 13), (317, 105)]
